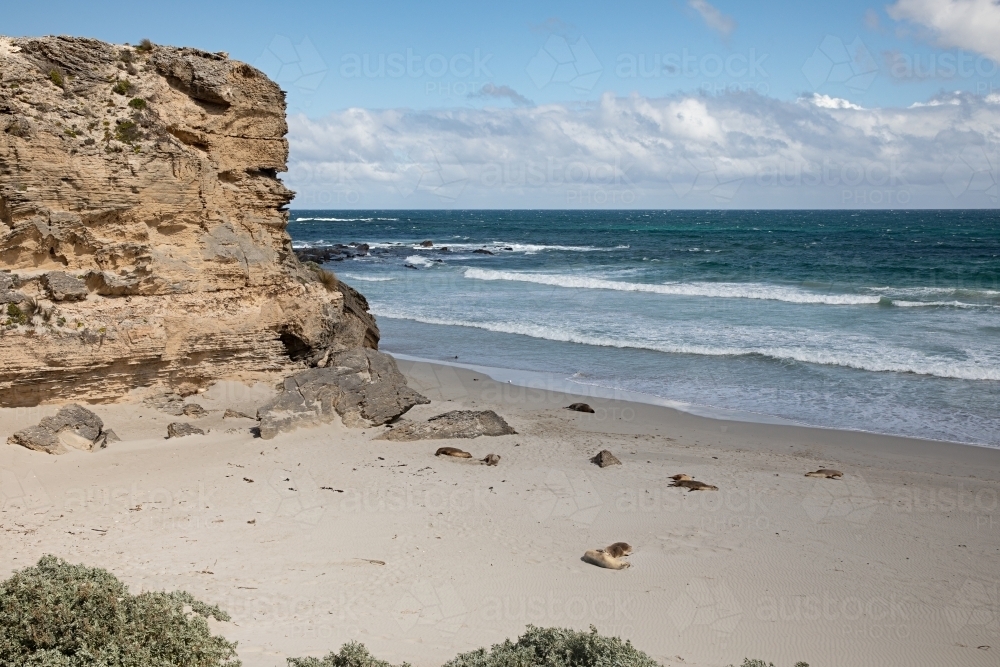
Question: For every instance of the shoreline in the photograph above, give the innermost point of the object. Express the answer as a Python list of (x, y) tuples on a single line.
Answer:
[(326, 535)]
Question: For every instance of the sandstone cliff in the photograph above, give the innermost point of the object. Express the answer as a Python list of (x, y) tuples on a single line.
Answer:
[(142, 226)]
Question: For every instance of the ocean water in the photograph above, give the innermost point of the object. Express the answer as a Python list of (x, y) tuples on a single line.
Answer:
[(884, 321)]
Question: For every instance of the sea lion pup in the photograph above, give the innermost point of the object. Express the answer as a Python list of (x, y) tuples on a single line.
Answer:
[(580, 407), (491, 459), (683, 477), (600, 558), (453, 451), (825, 472), (692, 485), (618, 549)]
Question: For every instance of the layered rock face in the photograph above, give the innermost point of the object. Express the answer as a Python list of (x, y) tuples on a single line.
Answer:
[(142, 226)]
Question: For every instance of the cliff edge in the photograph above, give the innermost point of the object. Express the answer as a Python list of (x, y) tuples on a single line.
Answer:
[(142, 226)]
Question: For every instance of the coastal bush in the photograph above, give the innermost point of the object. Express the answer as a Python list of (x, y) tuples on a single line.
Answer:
[(15, 314), (352, 654), (60, 615), (126, 55), (127, 131), (326, 278), (122, 87), (557, 647), (56, 77), (145, 46), (137, 103)]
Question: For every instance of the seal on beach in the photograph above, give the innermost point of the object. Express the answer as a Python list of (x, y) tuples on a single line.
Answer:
[(580, 407), (491, 459), (600, 558), (692, 485), (825, 472), (683, 477), (453, 451), (618, 549)]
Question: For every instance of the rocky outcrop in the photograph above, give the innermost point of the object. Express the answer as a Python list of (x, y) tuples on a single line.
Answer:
[(73, 426), (605, 458), (180, 430), (454, 424), (363, 386), (140, 209)]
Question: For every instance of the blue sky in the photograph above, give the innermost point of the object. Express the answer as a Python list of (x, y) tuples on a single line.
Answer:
[(439, 73)]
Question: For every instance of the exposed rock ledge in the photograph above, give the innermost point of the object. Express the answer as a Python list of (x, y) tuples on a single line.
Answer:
[(142, 227)]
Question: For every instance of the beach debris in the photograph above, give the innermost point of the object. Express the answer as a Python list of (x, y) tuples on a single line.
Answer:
[(180, 430), (692, 485), (235, 414), (682, 477), (193, 410), (825, 472), (454, 424), (601, 558), (61, 286), (73, 426), (580, 407), (453, 451), (604, 458), (491, 459), (618, 549), (362, 385)]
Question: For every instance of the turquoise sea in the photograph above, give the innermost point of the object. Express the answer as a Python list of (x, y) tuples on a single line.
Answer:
[(885, 321)]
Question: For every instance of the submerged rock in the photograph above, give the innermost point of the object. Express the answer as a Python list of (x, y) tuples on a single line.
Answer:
[(73, 426), (454, 424), (363, 386)]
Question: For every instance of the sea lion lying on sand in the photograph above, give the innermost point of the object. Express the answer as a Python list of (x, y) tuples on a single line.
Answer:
[(453, 451), (600, 558), (580, 407), (692, 485), (825, 472), (618, 549), (491, 459), (683, 477)]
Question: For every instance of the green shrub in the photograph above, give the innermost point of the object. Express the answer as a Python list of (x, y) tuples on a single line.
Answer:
[(557, 647), (122, 87), (126, 55), (145, 46), (137, 103), (351, 654), (61, 615), (127, 131), (16, 315), (56, 77)]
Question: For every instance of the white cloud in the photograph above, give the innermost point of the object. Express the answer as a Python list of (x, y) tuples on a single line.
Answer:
[(972, 25), (739, 150), (715, 19)]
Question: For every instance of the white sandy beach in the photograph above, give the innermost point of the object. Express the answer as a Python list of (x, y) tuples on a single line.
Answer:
[(325, 535)]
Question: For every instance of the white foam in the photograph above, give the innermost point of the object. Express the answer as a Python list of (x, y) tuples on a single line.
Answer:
[(418, 262), (851, 353), (367, 279), (704, 289)]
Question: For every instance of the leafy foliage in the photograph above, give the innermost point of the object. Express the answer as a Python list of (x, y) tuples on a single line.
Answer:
[(122, 87), (16, 315), (351, 654), (56, 77), (60, 615), (127, 131), (137, 103), (145, 46)]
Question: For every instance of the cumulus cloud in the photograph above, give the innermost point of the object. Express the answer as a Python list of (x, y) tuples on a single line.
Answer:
[(739, 150), (714, 19), (501, 93), (972, 25)]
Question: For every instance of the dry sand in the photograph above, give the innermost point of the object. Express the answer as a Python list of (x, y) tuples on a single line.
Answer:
[(326, 535)]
